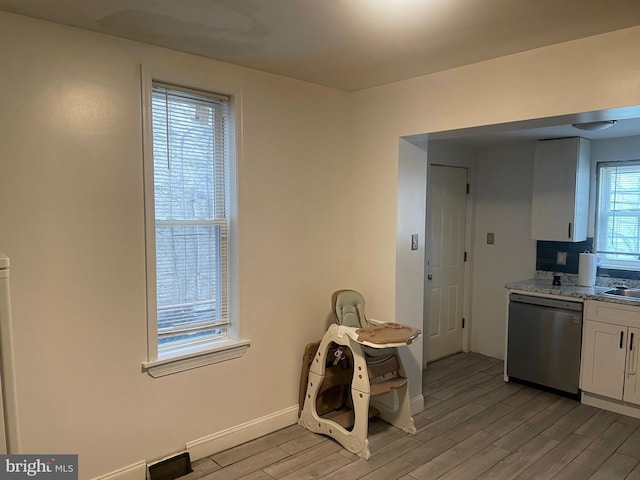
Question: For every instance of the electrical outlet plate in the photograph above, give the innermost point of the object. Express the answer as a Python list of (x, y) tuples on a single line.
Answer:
[(561, 258)]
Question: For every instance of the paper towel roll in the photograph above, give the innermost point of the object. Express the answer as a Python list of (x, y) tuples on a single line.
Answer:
[(587, 267)]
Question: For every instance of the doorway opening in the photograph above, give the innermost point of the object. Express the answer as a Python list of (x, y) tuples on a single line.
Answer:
[(500, 243)]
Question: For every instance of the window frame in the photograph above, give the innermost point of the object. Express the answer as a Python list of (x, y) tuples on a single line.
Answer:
[(603, 262), (219, 349)]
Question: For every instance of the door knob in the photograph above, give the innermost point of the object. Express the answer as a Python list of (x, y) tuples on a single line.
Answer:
[(429, 277)]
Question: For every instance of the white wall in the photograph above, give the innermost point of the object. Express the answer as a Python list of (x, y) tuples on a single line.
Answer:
[(610, 150), (615, 149), (503, 188), (71, 220), (412, 171), (566, 78), (318, 192)]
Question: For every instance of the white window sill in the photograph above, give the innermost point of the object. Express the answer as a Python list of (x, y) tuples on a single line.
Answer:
[(223, 351), (625, 268)]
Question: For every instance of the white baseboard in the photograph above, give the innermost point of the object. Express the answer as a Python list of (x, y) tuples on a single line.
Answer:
[(242, 433), (611, 405), (137, 471), (416, 404), (232, 437)]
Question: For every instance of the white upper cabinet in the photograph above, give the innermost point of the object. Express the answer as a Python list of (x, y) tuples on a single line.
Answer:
[(560, 205)]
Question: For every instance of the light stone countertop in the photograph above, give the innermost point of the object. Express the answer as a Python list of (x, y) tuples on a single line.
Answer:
[(544, 286)]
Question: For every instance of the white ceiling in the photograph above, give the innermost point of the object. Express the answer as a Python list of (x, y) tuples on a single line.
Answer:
[(347, 44), (356, 44), (627, 125)]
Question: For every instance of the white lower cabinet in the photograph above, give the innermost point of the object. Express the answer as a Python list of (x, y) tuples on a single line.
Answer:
[(610, 358), (631, 384), (603, 361)]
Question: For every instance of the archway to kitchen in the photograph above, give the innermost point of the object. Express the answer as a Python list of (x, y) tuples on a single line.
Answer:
[(500, 158)]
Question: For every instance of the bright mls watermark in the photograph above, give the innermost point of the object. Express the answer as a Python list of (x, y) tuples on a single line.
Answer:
[(50, 467)]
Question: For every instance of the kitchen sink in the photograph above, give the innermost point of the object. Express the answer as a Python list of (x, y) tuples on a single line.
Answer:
[(625, 292)]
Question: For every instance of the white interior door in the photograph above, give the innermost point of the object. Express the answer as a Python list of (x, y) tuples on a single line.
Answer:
[(444, 295)]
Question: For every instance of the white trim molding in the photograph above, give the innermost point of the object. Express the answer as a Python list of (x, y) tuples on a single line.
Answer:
[(416, 404), (232, 437), (136, 471), (242, 433), (610, 404), (226, 350)]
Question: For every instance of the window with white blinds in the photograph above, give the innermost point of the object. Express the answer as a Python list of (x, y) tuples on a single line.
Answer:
[(617, 235), (191, 222)]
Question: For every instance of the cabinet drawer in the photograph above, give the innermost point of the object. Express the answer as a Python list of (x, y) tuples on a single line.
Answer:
[(615, 313)]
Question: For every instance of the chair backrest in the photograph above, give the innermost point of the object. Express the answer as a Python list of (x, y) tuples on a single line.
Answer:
[(348, 307)]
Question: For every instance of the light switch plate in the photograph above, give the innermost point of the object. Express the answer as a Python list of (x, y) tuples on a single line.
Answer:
[(414, 241), (491, 238)]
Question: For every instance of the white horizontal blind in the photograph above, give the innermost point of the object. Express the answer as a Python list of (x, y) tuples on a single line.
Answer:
[(191, 197), (618, 215)]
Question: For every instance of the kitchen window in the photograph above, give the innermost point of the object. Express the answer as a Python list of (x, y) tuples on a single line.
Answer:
[(617, 237), (189, 194)]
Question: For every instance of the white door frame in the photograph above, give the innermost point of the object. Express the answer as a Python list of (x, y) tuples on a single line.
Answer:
[(9, 437)]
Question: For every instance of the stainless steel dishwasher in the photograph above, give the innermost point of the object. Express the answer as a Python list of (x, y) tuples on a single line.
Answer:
[(544, 342)]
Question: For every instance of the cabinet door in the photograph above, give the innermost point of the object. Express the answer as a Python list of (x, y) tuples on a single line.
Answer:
[(603, 359), (632, 384), (560, 190)]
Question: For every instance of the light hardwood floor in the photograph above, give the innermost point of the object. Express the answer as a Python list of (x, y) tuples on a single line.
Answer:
[(474, 426)]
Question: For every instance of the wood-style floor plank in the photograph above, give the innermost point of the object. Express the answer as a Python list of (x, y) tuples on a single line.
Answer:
[(528, 430), (570, 422), (403, 464), (518, 416), (449, 421), (301, 443), (476, 465), (596, 425), (246, 450), (631, 445), (635, 475), (479, 421), (499, 394), (604, 446), (319, 468), (453, 457), (575, 471), (293, 463), (474, 426), (460, 386), (249, 465), (445, 407), (201, 468), (616, 466), (550, 464), (385, 456), (511, 466)]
